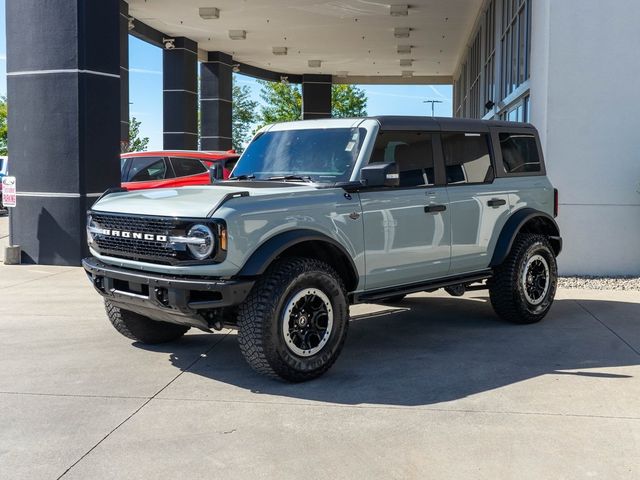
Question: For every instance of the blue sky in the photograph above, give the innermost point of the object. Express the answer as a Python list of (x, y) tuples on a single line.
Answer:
[(145, 94)]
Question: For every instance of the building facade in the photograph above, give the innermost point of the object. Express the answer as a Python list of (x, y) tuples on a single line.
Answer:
[(568, 67)]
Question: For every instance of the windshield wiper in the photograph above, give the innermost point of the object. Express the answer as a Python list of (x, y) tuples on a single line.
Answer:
[(243, 177), (292, 177)]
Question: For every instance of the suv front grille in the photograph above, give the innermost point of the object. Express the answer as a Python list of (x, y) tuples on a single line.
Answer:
[(133, 248)]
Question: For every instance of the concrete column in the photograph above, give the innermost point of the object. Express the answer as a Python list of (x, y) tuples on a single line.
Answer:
[(216, 86), (124, 72), (316, 96), (180, 95), (63, 76), (584, 102)]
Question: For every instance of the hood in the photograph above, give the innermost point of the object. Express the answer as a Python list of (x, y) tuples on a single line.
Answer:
[(196, 201)]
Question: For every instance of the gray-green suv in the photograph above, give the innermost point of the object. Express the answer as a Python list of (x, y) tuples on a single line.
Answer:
[(322, 214)]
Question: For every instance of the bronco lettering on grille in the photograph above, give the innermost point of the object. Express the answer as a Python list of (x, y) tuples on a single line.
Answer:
[(135, 235)]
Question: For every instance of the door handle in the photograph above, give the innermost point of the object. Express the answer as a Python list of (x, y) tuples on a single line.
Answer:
[(496, 202), (434, 208)]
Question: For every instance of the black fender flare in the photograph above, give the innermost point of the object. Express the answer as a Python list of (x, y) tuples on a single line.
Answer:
[(513, 226), (266, 253)]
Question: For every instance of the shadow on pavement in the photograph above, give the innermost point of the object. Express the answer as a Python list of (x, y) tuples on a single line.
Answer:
[(436, 350)]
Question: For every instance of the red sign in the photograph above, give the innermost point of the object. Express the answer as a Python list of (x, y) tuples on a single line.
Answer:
[(9, 191)]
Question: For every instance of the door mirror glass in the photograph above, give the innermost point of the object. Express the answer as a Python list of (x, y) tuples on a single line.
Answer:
[(380, 175)]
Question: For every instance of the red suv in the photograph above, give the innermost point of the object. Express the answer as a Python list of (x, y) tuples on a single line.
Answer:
[(140, 170)]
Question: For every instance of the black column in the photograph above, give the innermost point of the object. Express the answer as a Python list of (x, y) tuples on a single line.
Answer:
[(124, 73), (180, 97), (216, 86), (316, 96), (64, 87)]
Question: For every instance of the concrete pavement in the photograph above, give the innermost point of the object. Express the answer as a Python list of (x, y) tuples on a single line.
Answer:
[(436, 388)]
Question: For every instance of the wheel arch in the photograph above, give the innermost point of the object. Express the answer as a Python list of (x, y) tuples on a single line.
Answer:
[(303, 243), (526, 220)]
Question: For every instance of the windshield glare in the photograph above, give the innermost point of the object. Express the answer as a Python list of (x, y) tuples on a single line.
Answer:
[(322, 155)]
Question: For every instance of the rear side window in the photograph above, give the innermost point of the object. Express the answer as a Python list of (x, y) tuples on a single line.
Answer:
[(144, 169), (187, 166), (411, 151), (467, 158), (519, 153)]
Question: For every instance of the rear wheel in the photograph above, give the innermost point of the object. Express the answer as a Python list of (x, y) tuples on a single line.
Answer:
[(294, 322), (142, 329), (523, 287)]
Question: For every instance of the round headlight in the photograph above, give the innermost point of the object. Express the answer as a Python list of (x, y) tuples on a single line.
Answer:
[(204, 243)]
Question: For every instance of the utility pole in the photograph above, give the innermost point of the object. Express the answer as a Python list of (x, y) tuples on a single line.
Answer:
[(432, 102)]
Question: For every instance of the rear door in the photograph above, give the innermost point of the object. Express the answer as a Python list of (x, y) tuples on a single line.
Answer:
[(406, 228), (479, 206)]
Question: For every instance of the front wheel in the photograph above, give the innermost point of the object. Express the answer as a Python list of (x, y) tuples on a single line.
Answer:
[(522, 289), (294, 322)]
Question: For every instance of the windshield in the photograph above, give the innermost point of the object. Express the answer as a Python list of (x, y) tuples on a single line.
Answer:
[(319, 155)]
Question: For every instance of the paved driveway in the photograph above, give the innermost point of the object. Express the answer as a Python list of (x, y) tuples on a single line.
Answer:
[(438, 388)]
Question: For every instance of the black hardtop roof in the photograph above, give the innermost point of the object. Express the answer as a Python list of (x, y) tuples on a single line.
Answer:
[(399, 122)]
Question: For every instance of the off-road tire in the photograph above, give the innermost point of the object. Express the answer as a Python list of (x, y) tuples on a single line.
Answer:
[(506, 289), (393, 299), (261, 316), (142, 329)]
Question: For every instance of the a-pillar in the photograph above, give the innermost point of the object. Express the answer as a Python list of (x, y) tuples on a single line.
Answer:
[(63, 75), (124, 73), (180, 96), (216, 86), (316, 96)]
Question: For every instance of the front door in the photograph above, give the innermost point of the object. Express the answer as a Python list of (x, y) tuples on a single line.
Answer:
[(406, 228)]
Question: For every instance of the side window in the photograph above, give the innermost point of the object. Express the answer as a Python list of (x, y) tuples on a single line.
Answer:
[(187, 166), (411, 151), (144, 169), (229, 164), (467, 158), (519, 153)]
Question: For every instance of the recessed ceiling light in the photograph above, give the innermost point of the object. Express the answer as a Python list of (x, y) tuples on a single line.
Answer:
[(404, 49), (401, 32), (209, 13), (279, 50), (237, 34), (342, 74), (314, 63), (407, 73), (399, 10), (406, 62)]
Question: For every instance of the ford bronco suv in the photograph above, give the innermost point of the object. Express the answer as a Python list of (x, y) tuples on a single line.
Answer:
[(321, 214)]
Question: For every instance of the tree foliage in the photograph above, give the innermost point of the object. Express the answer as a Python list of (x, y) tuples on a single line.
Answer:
[(283, 102), (136, 142), (244, 116), (3, 126)]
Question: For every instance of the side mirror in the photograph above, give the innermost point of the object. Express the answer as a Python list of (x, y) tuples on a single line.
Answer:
[(216, 172), (380, 175)]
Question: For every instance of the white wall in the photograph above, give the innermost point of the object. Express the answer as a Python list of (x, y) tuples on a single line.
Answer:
[(585, 100)]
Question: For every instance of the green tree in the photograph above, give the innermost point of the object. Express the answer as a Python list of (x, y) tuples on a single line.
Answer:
[(136, 142), (3, 126), (283, 102), (244, 116)]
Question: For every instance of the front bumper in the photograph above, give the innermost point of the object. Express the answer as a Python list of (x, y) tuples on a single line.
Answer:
[(183, 300)]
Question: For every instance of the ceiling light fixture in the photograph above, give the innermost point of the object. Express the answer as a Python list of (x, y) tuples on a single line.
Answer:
[(279, 50), (407, 73), (130, 23), (406, 62), (401, 32), (399, 10), (342, 74), (169, 43), (235, 68), (404, 49), (209, 13), (237, 34), (314, 63)]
